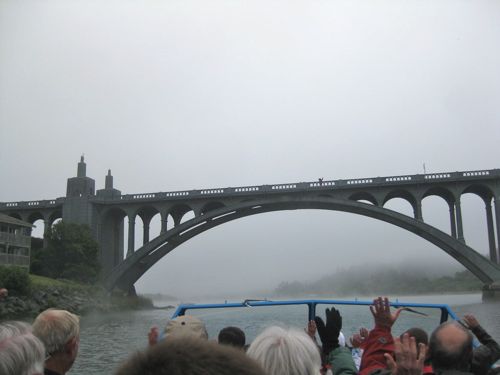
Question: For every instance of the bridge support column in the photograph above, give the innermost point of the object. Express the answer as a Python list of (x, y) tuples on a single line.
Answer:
[(453, 220), (491, 292), (491, 233), (164, 218), (131, 235), (177, 219), (417, 211), (460, 229), (145, 233), (46, 228), (496, 203)]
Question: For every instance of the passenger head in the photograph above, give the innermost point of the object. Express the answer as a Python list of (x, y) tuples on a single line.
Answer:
[(232, 336), (286, 352), (59, 330), (419, 334), (21, 353), (189, 356), (186, 325), (450, 347)]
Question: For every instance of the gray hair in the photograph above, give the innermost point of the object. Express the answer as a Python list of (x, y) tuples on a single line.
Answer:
[(286, 352), (21, 353), (55, 328)]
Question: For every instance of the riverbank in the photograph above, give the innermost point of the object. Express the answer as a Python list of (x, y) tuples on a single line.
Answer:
[(78, 298)]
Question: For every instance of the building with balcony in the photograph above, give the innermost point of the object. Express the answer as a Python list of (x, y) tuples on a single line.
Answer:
[(15, 242)]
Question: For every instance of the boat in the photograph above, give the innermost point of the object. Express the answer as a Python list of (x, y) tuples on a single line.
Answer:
[(255, 315)]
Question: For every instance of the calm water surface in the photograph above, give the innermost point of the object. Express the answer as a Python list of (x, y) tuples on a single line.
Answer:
[(106, 340)]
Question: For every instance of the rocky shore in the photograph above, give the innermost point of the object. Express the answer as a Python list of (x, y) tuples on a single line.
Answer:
[(78, 301)]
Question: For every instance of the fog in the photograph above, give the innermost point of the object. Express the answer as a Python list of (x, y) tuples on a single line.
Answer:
[(176, 95)]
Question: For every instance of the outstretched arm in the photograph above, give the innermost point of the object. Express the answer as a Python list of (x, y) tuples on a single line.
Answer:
[(379, 341), (489, 352)]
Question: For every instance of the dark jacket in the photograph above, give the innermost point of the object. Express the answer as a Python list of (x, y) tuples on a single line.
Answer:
[(486, 354)]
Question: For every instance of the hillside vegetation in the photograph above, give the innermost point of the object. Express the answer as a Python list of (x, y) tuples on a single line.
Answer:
[(31, 294), (387, 280)]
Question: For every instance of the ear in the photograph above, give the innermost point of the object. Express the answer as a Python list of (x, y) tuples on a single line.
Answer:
[(72, 345)]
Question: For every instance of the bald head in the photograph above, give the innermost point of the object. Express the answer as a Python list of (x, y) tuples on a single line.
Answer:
[(55, 328), (450, 347)]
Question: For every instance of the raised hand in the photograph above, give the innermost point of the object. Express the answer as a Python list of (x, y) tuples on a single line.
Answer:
[(359, 338), (470, 321), (409, 360), (363, 332), (153, 335), (311, 329), (381, 312), (329, 333)]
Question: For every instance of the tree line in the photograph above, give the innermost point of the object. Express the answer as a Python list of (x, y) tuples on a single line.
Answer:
[(386, 280)]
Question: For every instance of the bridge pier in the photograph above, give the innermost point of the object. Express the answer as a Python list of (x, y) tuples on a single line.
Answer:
[(460, 229), (491, 292), (491, 233)]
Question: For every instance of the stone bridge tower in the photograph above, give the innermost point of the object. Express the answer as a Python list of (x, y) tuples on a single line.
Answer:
[(77, 207)]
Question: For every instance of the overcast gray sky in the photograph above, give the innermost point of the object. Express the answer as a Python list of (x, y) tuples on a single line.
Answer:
[(198, 94)]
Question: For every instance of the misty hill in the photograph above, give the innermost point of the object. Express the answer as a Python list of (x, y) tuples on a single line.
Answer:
[(363, 280)]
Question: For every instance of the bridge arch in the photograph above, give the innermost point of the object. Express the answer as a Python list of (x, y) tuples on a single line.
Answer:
[(55, 215), (403, 194), (35, 216), (441, 192), (364, 196), (132, 268), (178, 211), (482, 191)]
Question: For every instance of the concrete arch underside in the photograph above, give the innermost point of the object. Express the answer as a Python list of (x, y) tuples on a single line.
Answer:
[(125, 274)]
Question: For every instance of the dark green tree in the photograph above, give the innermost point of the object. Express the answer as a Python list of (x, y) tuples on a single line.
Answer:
[(71, 253), (15, 279)]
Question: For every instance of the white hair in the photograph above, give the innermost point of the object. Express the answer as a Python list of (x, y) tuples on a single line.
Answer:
[(21, 353), (286, 352), (55, 328)]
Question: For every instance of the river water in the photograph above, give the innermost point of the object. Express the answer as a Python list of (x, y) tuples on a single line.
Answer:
[(106, 340)]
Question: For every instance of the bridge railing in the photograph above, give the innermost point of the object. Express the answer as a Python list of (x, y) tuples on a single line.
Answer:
[(275, 188), (46, 203), (401, 179)]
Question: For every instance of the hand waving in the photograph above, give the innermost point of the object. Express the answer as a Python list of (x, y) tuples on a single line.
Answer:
[(409, 359), (381, 312), (329, 333), (470, 321)]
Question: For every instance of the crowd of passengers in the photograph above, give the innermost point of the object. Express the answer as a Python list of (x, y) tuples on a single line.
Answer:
[(50, 345)]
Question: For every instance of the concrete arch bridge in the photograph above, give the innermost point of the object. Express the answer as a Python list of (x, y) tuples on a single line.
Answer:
[(104, 211)]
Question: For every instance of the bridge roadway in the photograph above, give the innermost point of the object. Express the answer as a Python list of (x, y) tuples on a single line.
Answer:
[(105, 211)]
